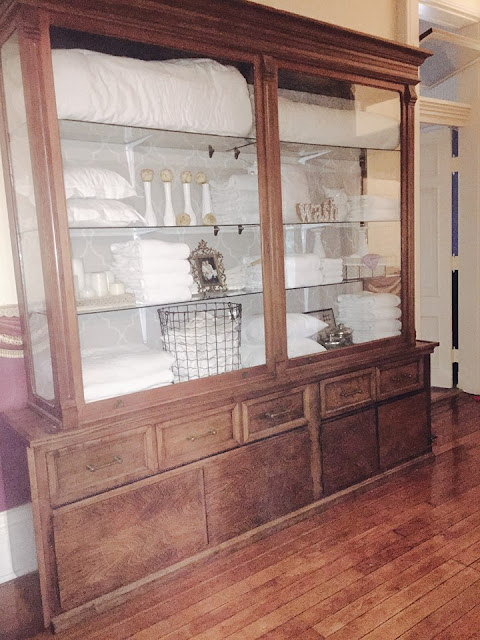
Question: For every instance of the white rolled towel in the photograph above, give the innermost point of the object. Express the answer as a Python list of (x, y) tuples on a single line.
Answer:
[(150, 265), (367, 298), (302, 262), (164, 295), (299, 325), (350, 314)]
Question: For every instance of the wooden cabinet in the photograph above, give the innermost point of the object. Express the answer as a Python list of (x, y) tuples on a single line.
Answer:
[(173, 265), (403, 429), (349, 450), (257, 484), (109, 541)]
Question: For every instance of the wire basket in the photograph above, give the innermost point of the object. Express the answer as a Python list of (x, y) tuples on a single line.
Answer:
[(203, 337)]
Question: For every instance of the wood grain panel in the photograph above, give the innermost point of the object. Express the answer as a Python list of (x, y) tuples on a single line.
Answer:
[(393, 379), (113, 540), (403, 430), (347, 392), (349, 450), (273, 413), (257, 484), (90, 467)]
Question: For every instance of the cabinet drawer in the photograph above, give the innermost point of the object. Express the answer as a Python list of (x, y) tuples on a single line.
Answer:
[(347, 392), (399, 378), (181, 441), (85, 469), (274, 413)]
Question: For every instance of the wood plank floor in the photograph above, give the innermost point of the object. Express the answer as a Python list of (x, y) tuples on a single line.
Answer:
[(400, 560)]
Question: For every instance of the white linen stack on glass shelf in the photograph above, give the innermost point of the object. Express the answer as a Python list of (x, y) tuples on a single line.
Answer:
[(300, 329), (206, 346), (157, 272), (371, 207), (371, 316), (117, 370), (235, 199), (301, 270)]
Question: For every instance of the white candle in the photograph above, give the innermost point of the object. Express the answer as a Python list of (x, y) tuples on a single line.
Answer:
[(117, 289)]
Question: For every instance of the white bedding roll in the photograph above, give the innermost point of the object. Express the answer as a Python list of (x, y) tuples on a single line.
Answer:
[(197, 95)]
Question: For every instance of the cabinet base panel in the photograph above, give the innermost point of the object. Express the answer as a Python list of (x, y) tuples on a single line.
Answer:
[(115, 598)]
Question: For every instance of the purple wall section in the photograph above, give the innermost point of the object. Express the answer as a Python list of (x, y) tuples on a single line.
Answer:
[(14, 485)]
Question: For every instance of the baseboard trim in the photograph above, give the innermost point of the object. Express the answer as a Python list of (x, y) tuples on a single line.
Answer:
[(17, 543)]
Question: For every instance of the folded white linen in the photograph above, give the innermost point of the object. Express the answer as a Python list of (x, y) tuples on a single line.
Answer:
[(119, 361), (103, 390), (369, 299), (367, 336), (373, 214), (299, 325), (151, 249), (302, 262), (150, 265), (304, 279), (349, 314), (198, 95), (333, 279), (163, 295), (371, 201), (155, 280), (375, 325), (315, 124), (254, 354)]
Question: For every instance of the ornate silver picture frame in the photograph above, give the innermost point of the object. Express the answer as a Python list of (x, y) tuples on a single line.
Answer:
[(207, 268)]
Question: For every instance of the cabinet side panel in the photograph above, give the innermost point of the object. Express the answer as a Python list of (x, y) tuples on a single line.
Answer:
[(115, 540), (258, 484)]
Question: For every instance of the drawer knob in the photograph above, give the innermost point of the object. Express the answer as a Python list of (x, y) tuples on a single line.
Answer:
[(115, 460), (211, 432), (402, 377), (351, 394), (271, 415)]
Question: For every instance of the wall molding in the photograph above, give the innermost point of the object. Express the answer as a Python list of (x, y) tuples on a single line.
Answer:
[(17, 543), (445, 112), (449, 13)]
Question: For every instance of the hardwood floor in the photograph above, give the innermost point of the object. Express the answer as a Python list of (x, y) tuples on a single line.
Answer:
[(398, 560)]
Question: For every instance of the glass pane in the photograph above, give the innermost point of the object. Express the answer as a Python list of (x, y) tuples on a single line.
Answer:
[(164, 216), (340, 167), (29, 241)]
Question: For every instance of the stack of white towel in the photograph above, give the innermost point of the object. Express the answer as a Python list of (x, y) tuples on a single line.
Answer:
[(236, 199), (371, 316), (301, 270), (206, 345), (371, 207), (300, 329), (114, 371), (157, 272)]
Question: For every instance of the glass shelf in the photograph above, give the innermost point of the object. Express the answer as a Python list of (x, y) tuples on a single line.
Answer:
[(147, 138), (109, 231)]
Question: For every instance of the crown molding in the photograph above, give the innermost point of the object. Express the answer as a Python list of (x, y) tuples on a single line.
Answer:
[(446, 112)]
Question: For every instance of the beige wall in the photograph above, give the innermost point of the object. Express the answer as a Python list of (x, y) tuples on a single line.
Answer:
[(376, 17)]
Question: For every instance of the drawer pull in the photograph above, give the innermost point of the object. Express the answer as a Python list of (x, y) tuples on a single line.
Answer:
[(351, 394), (271, 415), (402, 377), (211, 432), (115, 460)]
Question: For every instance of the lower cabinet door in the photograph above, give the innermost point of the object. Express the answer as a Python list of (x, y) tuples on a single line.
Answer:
[(111, 540), (349, 450), (258, 483), (403, 430)]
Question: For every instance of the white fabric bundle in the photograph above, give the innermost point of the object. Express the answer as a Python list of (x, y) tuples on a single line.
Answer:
[(112, 371), (157, 272), (198, 95), (371, 316), (316, 124)]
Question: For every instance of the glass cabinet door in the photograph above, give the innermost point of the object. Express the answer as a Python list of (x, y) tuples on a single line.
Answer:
[(27, 227), (340, 173), (161, 181)]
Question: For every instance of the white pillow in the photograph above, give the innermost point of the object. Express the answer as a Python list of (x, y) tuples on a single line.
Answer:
[(92, 212), (299, 325), (95, 182)]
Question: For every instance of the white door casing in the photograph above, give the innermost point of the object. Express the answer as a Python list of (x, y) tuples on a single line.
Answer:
[(435, 230)]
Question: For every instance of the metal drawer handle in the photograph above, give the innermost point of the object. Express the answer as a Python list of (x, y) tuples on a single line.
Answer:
[(211, 432), (115, 460), (402, 377), (351, 394), (276, 414)]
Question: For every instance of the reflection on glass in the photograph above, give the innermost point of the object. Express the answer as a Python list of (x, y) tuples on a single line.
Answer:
[(340, 168), (27, 221)]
